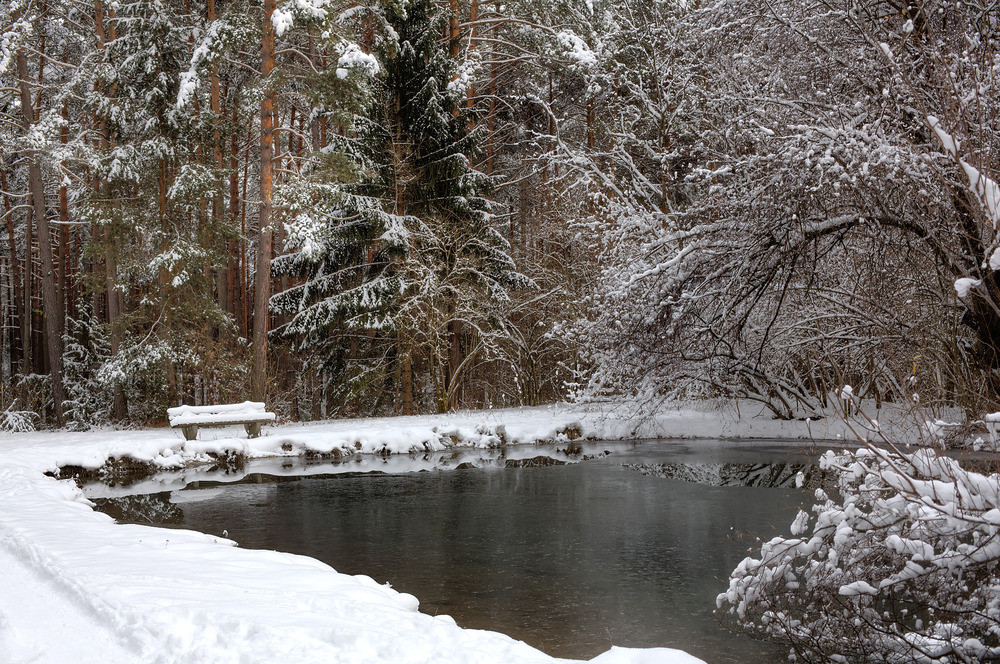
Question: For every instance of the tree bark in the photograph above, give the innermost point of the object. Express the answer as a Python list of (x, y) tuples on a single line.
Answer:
[(53, 322), (262, 280), (454, 362), (223, 278), (453, 29), (233, 269), (119, 406), (17, 282), (406, 374), (113, 300)]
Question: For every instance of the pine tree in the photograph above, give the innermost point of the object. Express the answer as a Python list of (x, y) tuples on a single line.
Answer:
[(87, 349), (342, 241), (151, 226), (405, 263), (459, 269)]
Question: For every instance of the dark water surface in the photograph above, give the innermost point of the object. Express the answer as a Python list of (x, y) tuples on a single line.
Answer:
[(627, 549)]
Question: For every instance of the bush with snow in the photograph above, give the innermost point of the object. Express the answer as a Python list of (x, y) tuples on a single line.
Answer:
[(17, 421), (902, 567)]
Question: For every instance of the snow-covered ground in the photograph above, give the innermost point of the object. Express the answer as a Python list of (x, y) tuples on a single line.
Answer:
[(75, 586)]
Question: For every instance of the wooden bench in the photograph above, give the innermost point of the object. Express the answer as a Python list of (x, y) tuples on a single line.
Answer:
[(251, 414)]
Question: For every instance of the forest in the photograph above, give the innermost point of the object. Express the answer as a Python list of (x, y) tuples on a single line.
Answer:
[(412, 206)]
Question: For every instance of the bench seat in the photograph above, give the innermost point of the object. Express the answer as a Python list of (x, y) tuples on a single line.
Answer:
[(251, 414)]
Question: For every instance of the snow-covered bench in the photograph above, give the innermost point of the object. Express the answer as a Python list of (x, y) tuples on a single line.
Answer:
[(251, 414)]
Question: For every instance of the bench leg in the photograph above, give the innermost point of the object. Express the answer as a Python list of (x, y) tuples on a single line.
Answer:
[(190, 431), (253, 429)]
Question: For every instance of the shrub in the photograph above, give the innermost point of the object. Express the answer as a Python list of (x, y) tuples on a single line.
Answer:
[(902, 567)]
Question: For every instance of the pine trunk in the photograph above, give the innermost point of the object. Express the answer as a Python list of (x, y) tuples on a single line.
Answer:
[(53, 318), (454, 362), (262, 281), (223, 278), (15, 266), (233, 268), (406, 373)]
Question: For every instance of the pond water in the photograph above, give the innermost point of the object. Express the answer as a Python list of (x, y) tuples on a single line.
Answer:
[(572, 556)]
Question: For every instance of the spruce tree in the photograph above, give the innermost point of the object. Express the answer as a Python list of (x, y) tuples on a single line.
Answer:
[(459, 267), (411, 266)]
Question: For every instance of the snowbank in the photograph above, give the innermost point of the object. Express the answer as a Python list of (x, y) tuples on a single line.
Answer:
[(165, 448)]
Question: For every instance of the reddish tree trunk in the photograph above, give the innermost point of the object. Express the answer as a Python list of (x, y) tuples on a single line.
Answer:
[(16, 279), (262, 281), (232, 270), (62, 249)]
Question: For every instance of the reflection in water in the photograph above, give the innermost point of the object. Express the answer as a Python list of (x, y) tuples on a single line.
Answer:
[(766, 475), (154, 508), (570, 558)]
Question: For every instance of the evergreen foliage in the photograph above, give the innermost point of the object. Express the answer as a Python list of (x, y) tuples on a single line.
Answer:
[(86, 350)]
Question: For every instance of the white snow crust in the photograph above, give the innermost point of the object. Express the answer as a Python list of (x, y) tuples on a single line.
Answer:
[(248, 411)]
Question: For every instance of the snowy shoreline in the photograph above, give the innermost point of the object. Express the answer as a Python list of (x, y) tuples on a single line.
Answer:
[(126, 593)]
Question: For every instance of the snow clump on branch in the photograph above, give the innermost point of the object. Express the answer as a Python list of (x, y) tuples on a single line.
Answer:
[(576, 49), (352, 58)]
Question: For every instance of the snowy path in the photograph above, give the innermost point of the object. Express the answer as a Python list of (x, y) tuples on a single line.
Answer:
[(71, 632)]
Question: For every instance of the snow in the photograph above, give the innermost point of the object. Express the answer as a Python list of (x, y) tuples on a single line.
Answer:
[(576, 49), (76, 586), (965, 284), (857, 588), (651, 656), (352, 58), (188, 86), (986, 189), (12, 39), (248, 411), (282, 20), (41, 600), (219, 418)]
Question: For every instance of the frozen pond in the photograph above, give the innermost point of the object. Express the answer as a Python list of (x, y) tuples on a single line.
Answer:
[(628, 548)]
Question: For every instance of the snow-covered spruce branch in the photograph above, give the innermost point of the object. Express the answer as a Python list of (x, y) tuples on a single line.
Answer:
[(902, 567)]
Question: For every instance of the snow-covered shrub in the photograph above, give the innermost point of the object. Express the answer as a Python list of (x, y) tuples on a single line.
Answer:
[(34, 395), (17, 421), (903, 567)]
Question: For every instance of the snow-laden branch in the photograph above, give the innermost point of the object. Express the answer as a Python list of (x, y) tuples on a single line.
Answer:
[(13, 40)]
